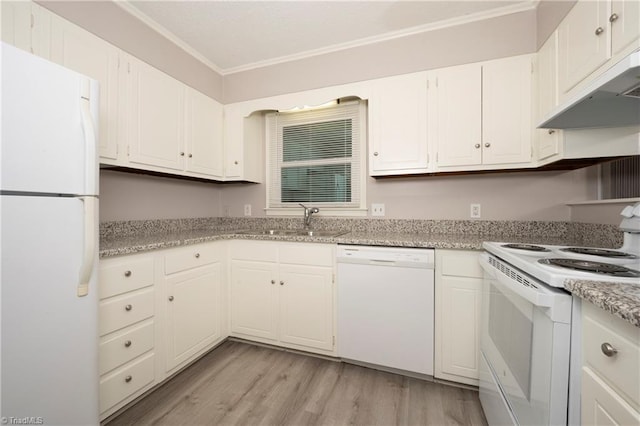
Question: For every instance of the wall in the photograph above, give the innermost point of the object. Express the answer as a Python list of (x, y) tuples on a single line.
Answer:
[(549, 13), (113, 24), (493, 38), (503, 196), (125, 196)]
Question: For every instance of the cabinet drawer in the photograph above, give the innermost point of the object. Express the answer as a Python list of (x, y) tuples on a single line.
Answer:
[(191, 257), (122, 347), (261, 251), (459, 264), (121, 311), (123, 383), (307, 254), (119, 276), (622, 369)]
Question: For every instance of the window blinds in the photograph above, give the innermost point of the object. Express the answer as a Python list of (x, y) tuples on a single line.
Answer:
[(620, 178), (314, 157)]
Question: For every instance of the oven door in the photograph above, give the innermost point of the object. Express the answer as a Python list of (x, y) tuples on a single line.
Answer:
[(525, 341)]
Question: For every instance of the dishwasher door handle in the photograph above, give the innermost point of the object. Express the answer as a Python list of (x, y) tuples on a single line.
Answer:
[(382, 262)]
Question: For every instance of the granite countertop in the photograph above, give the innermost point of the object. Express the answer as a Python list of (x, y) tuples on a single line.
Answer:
[(621, 300), (121, 245)]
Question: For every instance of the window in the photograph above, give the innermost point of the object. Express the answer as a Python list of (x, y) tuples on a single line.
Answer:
[(620, 178), (315, 157)]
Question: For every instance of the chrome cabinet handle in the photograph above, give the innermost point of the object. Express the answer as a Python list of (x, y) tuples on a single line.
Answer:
[(182, 154), (127, 343), (551, 131), (127, 273), (190, 155), (599, 31), (235, 162), (487, 145), (197, 255), (170, 298), (608, 350), (375, 154), (281, 282), (128, 307), (273, 281), (477, 145), (128, 379), (613, 18)]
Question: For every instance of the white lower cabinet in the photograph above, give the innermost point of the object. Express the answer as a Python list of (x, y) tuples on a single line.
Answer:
[(282, 294), (458, 284), (158, 312), (610, 369)]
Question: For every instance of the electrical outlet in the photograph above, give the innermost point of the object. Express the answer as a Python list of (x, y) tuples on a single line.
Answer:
[(377, 209), (225, 211), (475, 211), (247, 209)]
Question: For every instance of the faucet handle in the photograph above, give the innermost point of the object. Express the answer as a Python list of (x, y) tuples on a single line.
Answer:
[(303, 206)]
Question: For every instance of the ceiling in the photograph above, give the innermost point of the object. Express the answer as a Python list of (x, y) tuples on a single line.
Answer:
[(232, 36)]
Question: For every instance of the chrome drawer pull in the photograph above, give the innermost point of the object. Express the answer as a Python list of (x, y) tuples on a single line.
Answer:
[(128, 308), (599, 31), (127, 273), (127, 343), (128, 379), (197, 255), (608, 350)]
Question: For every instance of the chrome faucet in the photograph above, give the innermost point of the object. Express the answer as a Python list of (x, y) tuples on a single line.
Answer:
[(308, 211)]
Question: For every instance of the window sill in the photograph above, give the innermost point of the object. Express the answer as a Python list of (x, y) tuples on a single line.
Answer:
[(612, 201), (324, 212)]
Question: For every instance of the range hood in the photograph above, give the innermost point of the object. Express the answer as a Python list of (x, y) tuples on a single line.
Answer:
[(611, 100)]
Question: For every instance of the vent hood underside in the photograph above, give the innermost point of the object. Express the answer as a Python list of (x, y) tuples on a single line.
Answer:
[(611, 100)]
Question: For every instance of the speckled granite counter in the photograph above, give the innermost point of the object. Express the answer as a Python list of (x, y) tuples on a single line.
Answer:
[(621, 300)]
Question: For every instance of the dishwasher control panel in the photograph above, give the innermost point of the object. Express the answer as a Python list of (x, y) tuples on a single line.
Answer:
[(411, 257)]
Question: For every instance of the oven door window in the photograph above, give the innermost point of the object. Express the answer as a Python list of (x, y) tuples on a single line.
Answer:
[(518, 343)]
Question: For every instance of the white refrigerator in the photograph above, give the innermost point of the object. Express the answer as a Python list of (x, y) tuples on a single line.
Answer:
[(49, 242)]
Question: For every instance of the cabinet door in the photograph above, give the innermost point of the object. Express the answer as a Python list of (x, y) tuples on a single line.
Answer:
[(547, 140), (626, 28), (506, 110), (81, 51), (27, 26), (581, 50), (204, 134), (306, 306), (398, 135), (459, 320), (458, 118), (600, 405), (254, 299), (193, 313), (156, 117)]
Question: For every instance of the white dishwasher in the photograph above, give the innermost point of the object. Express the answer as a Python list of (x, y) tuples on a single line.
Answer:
[(386, 306)]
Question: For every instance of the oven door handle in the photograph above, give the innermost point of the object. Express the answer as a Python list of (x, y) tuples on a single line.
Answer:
[(530, 294)]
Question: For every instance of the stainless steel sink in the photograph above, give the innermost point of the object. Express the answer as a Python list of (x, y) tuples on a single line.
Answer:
[(293, 232)]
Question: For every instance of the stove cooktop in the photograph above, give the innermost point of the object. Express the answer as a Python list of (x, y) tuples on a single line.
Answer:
[(554, 264)]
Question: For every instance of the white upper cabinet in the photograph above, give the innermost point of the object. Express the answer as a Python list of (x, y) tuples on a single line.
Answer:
[(548, 141), (594, 32), (244, 143), (81, 51), (398, 125), (481, 115), (27, 26), (155, 117), (204, 146)]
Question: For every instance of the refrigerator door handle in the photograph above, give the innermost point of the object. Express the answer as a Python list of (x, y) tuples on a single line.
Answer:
[(89, 139), (89, 250)]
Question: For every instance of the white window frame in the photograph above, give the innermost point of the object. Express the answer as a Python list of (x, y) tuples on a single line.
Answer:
[(361, 209)]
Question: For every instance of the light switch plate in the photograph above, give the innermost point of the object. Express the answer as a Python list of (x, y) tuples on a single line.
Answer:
[(377, 209), (475, 211)]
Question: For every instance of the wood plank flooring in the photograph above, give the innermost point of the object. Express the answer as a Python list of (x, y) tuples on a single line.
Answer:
[(243, 384)]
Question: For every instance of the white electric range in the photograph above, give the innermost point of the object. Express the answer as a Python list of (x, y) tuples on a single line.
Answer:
[(530, 327)]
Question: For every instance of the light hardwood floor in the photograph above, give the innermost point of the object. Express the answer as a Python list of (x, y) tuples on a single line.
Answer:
[(243, 384)]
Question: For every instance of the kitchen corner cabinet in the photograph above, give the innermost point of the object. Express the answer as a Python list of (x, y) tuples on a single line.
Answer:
[(398, 125), (244, 145), (481, 115), (610, 369), (27, 26), (592, 33), (193, 301), (282, 294), (548, 141), (127, 318), (458, 283)]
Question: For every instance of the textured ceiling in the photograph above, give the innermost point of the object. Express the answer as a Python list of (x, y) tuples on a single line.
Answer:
[(234, 35)]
